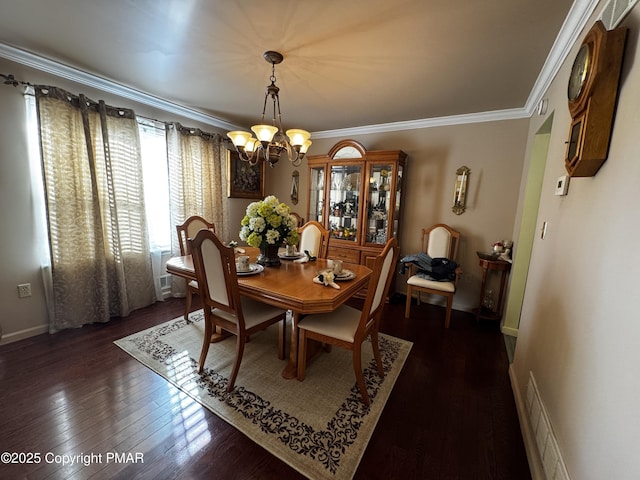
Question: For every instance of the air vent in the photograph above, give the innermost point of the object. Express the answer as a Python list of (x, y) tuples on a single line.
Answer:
[(615, 11)]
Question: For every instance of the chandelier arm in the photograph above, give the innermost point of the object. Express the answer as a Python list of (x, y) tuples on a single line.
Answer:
[(297, 162)]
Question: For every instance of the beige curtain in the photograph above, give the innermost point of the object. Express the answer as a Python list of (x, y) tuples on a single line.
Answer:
[(197, 178), (197, 183), (100, 262)]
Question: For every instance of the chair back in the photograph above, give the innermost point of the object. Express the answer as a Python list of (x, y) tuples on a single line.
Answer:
[(314, 238), (215, 268), (189, 229), (440, 241), (379, 283)]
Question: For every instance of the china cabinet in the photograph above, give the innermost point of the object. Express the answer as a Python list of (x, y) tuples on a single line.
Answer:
[(357, 195)]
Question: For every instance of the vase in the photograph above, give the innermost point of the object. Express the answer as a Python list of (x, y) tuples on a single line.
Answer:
[(269, 256)]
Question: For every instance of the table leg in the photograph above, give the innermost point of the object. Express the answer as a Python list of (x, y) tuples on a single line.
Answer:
[(291, 370), (482, 288)]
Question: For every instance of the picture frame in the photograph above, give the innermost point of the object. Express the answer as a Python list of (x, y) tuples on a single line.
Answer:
[(243, 179)]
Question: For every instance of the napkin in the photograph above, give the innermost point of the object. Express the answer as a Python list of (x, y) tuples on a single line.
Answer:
[(326, 279)]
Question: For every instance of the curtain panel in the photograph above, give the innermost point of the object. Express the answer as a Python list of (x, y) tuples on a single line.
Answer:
[(100, 259), (197, 178)]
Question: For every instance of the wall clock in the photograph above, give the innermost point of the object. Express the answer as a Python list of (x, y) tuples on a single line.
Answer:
[(592, 92)]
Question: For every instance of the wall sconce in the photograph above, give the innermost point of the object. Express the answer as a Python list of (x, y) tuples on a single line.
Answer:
[(460, 190), (295, 186)]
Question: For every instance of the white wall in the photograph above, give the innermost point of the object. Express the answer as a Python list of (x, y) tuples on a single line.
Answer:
[(579, 330)]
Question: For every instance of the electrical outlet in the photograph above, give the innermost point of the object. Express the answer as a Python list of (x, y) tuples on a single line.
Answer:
[(24, 290)]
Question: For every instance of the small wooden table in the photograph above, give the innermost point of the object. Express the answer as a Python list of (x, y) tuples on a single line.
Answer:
[(488, 263), (289, 286)]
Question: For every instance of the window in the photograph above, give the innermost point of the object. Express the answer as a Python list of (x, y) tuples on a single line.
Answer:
[(153, 145)]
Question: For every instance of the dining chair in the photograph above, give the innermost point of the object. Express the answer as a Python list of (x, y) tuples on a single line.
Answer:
[(187, 230), (223, 306), (348, 327), (314, 238), (438, 241)]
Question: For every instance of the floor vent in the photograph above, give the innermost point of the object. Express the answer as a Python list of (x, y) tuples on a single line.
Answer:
[(615, 11), (548, 450)]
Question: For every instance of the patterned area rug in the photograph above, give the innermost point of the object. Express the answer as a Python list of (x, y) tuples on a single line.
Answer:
[(318, 426)]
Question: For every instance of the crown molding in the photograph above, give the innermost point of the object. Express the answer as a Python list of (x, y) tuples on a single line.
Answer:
[(497, 115), (70, 73), (577, 17)]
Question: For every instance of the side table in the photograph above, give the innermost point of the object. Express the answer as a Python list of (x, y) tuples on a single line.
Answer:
[(488, 263)]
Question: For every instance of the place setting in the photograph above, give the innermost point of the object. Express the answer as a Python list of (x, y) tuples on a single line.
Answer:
[(244, 267), (335, 273), (290, 253)]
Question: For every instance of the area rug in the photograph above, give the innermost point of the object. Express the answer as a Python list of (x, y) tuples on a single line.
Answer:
[(318, 426)]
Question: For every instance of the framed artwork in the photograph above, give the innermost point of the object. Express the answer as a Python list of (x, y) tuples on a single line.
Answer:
[(244, 180)]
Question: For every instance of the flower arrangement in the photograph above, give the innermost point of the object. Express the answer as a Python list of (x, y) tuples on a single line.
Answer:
[(268, 223)]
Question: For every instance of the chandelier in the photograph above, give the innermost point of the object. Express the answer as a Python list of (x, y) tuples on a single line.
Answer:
[(270, 141)]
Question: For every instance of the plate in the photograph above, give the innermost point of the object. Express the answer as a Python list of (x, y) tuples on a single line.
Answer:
[(284, 256), (253, 269), (342, 276)]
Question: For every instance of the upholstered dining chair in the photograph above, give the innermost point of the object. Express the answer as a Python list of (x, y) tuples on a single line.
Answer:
[(438, 241), (187, 230), (314, 238), (348, 327), (215, 268)]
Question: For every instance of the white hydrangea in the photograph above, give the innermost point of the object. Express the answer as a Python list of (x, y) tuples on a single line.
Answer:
[(257, 224), (272, 236), (272, 201), (244, 233)]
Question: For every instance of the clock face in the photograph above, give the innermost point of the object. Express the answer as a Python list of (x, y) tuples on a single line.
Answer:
[(579, 72)]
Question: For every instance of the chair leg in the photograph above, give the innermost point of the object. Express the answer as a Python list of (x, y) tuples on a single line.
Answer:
[(407, 308), (240, 341), (357, 369), (376, 352), (187, 307), (302, 353), (206, 341), (448, 316)]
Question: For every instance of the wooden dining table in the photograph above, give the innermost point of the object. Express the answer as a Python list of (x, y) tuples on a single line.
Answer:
[(289, 286)]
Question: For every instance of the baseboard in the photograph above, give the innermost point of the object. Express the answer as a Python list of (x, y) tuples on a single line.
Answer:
[(528, 435), (541, 445), (512, 332), (22, 334)]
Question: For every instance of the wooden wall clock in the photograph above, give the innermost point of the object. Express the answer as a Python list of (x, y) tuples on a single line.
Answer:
[(592, 93)]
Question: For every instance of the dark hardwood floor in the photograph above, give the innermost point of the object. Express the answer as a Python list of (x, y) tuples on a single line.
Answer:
[(451, 414)]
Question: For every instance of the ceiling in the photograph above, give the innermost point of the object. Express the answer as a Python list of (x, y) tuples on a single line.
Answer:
[(348, 63)]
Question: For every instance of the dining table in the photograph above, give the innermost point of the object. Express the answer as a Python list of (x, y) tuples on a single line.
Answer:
[(289, 286)]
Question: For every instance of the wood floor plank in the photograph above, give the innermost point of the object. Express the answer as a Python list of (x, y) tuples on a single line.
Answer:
[(451, 414)]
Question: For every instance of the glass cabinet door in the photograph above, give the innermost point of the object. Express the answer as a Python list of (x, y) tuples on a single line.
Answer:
[(316, 199), (344, 201), (379, 203), (396, 204)]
